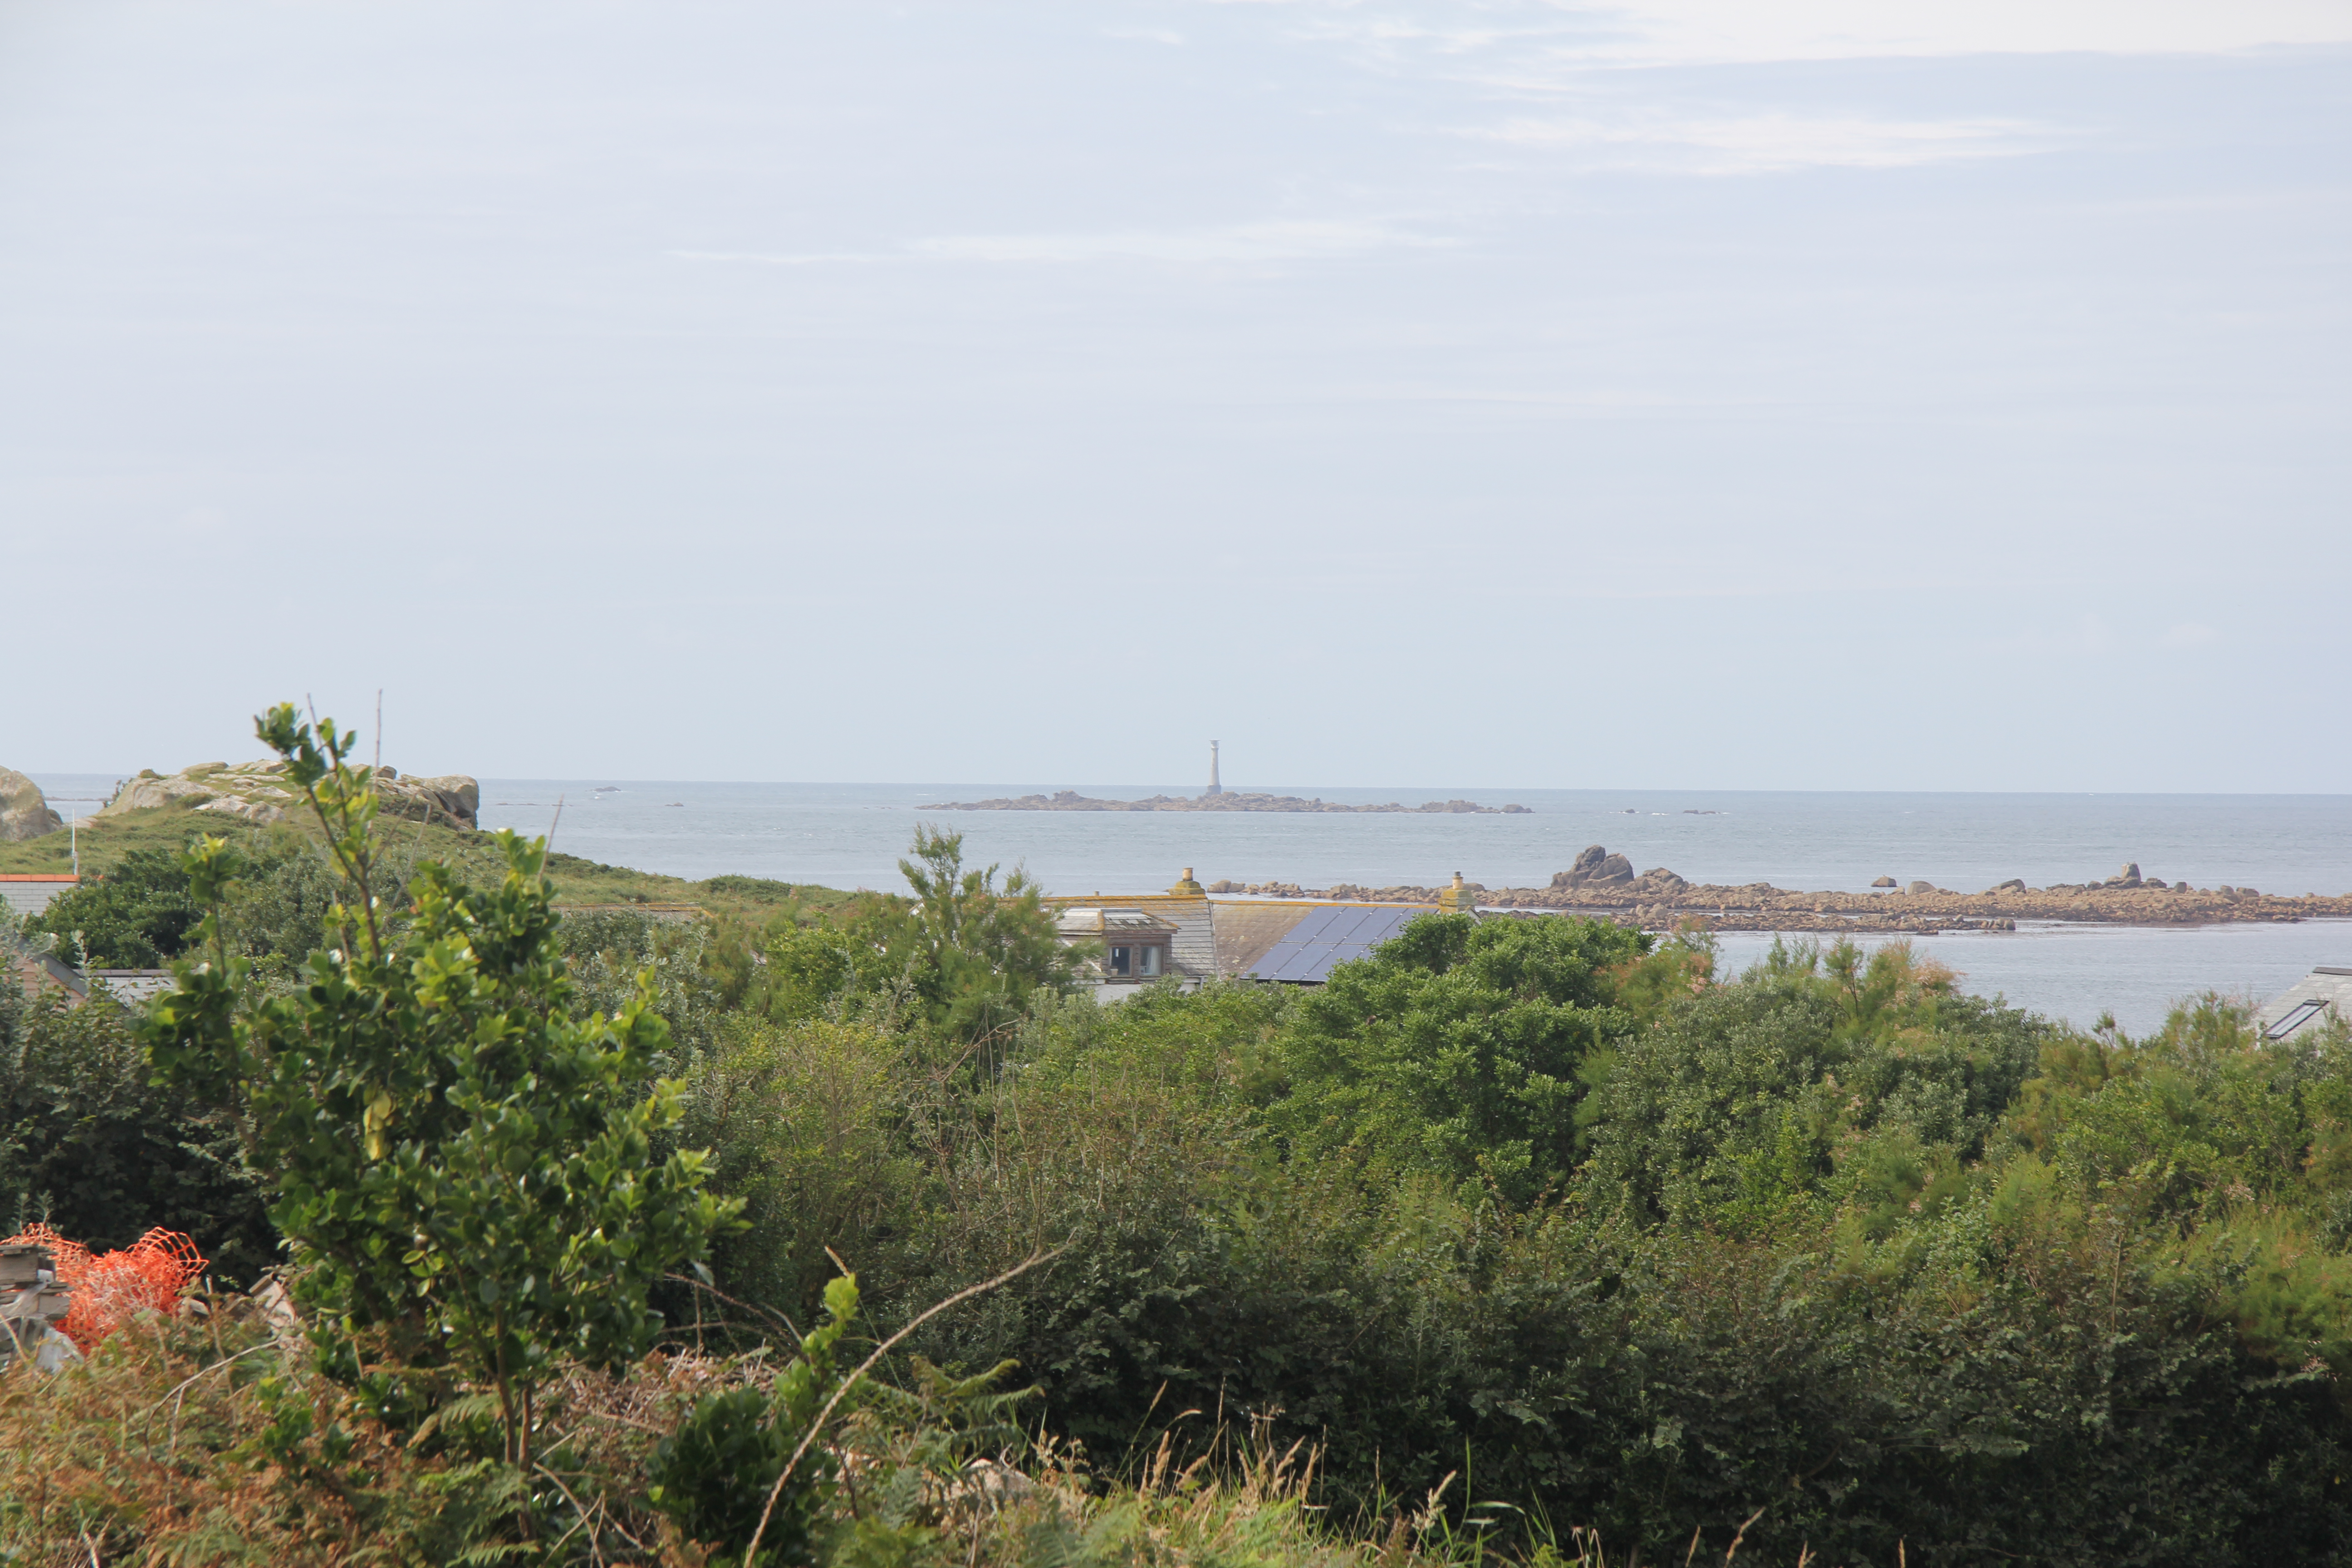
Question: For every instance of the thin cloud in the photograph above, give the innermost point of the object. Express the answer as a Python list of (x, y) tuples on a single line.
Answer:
[(1564, 33), (1768, 142), (1739, 30), (1231, 243), (1280, 241), (779, 258), (1573, 77)]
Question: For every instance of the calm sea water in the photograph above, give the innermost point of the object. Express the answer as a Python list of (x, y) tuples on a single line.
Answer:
[(851, 835)]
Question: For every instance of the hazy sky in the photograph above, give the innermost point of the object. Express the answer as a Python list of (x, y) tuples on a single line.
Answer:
[(1910, 394)]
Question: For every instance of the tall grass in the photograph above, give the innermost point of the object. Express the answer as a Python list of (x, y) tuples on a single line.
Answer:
[(211, 1439)]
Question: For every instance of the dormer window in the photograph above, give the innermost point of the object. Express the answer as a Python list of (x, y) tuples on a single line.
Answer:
[(1136, 960), (1135, 946)]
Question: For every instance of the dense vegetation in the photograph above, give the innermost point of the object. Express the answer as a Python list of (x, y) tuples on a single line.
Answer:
[(1534, 1236)]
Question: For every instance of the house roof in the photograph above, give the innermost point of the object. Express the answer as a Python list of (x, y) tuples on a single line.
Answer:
[(1328, 935), (30, 892), (39, 972), (1294, 940), (2309, 1001), (134, 984), (1089, 921), (1191, 943), (1248, 929)]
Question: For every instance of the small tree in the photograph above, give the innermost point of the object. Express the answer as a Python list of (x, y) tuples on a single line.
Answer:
[(448, 1148), (136, 915), (1458, 1046), (973, 950)]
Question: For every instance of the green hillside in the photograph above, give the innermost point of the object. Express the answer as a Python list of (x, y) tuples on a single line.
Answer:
[(105, 840)]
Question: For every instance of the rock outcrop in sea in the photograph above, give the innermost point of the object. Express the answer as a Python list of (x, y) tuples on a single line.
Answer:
[(258, 792), (1220, 800), (1600, 883), (24, 812)]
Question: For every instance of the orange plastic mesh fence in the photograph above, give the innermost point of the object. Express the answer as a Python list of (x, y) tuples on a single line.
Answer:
[(107, 1287)]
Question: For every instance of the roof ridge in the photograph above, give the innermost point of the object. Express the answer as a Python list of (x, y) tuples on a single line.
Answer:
[(1327, 903)]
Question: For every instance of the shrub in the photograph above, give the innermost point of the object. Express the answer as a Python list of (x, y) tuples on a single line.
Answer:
[(135, 916), (1457, 1047), (805, 1127), (450, 1150), (1820, 1077), (89, 1145)]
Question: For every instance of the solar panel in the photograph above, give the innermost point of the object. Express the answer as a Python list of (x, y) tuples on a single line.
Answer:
[(1326, 937)]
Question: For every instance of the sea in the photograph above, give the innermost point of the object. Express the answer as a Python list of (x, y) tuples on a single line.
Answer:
[(852, 835)]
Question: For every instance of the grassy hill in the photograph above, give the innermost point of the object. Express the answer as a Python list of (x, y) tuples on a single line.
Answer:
[(106, 839)]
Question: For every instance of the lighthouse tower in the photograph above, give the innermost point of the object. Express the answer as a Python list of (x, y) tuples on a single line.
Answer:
[(1214, 788)]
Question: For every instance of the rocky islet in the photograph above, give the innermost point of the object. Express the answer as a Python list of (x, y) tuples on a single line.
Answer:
[(1215, 800), (258, 792), (1602, 883)]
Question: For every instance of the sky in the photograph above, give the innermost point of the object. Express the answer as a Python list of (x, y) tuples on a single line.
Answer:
[(1831, 394)]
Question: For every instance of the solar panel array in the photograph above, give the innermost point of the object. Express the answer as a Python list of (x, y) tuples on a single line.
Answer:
[(1327, 937)]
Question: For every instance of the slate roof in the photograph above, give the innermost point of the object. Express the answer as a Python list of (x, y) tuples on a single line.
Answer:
[(1089, 921), (1291, 940), (38, 972), (134, 984), (1191, 951), (1245, 930), (43, 971), (29, 893), (1328, 935)]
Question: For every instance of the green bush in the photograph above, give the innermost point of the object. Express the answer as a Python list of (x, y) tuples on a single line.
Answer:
[(811, 970), (714, 1475), (805, 1125), (1820, 1078), (142, 913), (134, 917), (1891, 1332), (452, 1152), (970, 954), (1458, 1048), (91, 1146)]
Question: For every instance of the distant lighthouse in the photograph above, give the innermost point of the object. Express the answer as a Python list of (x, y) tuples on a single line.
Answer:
[(1214, 788)]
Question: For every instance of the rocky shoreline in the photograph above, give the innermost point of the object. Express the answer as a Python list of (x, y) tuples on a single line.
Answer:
[(1220, 800), (1603, 884)]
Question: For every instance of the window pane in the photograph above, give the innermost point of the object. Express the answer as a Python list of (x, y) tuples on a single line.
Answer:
[(1119, 961), (1150, 956), (2296, 1018)]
